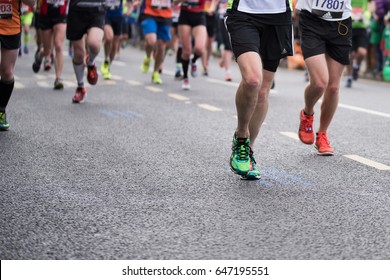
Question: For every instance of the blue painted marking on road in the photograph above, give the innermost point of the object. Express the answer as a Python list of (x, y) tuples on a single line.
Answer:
[(128, 114), (109, 113), (284, 174), (272, 175)]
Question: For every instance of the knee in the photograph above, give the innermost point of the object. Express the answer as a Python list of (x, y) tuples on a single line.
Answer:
[(252, 81), (7, 74)]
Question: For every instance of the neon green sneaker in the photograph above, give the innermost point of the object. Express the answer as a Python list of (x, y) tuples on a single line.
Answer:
[(145, 65), (240, 161), (4, 125), (253, 173), (105, 67), (156, 79), (107, 75)]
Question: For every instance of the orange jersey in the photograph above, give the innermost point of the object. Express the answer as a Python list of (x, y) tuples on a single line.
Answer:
[(9, 17), (157, 8)]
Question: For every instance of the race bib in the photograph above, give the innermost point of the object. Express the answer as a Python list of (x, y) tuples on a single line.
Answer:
[(161, 4), (112, 4), (5, 9), (56, 3), (328, 9)]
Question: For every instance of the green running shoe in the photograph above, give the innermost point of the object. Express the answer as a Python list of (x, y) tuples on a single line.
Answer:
[(156, 79), (105, 68), (145, 65), (4, 125), (240, 161), (107, 75), (253, 173)]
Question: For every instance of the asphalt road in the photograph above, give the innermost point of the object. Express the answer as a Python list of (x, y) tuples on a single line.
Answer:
[(141, 171)]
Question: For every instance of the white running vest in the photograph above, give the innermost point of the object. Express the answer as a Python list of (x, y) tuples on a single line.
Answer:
[(260, 6)]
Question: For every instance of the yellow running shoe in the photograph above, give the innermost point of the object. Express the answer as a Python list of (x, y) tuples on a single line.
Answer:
[(156, 79), (145, 65)]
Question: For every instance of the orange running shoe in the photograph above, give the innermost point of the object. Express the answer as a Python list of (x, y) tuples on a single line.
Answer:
[(322, 145), (80, 94), (305, 133)]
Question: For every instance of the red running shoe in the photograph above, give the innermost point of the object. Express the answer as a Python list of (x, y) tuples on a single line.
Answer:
[(305, 133), (322, 145), (80, 94)]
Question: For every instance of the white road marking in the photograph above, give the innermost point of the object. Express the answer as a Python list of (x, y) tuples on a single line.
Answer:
[(133, 83), (359, 109), (368, 162), (154, 89), (209, 107), (292, 135), (178, 97), (19, 85)]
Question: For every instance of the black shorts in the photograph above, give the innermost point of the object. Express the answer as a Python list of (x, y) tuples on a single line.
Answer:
[(359, 38), (116, 24), (192, 19), (211, 25), (225, 35), (10, 42), (250, 33), (47, 22), (81, 20), (319, 36), (35, 22)]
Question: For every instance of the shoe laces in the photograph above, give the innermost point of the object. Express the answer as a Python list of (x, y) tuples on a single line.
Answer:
[(242, 150), (306, 125), (2, 117), (322, 140)]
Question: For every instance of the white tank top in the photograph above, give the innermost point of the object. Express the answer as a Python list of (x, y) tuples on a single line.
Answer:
[(259, 6), (331, 10)]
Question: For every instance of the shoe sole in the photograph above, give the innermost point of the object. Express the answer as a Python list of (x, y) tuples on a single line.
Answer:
[(324, 153), (250, 177), (4, 128)]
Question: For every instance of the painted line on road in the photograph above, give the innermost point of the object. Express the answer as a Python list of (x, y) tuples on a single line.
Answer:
[(178, 97), (19, 85), (209, 107), (40, 77), (153, 89), (368, 162), (116, 78), (116, 113), (119, 63), (133, 83), (109, 82), (359, 109), (292, 135)]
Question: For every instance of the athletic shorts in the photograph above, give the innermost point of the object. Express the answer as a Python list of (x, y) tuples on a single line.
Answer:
[(48, 22), (116, 24), (224, 35), (211, 25), (192, 19), (81, 20), (250, 33), (36, 20), (319, 36), (150, 25), (359, 38), (27, 18), (10, 42)]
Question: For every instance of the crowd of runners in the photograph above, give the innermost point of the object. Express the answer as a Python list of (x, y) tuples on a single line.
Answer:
[(332, 36)]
